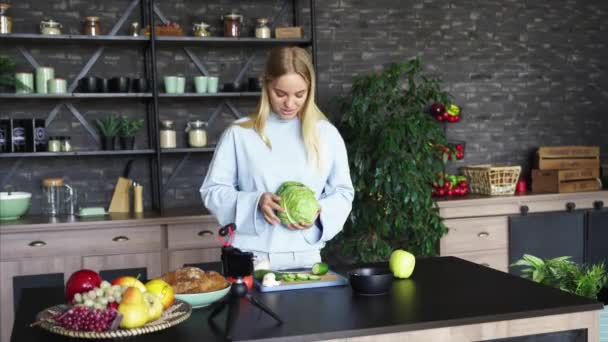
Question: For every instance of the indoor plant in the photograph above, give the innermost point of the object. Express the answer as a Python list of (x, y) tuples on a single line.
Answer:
[(128, 129), (391, 140), (589, 281), (7, 73), (109, 127)]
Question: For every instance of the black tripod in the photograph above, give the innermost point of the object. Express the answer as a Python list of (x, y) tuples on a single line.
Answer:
[(232, 301)]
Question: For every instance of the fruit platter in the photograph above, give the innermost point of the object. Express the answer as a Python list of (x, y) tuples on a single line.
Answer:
[(125, 307)]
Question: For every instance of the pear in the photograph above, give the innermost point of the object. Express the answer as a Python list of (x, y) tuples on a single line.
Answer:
[(155, 306), (133, 308)]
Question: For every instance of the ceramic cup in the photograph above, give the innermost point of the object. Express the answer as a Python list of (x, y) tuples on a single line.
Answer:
[(103, 85), (212, 83), (57, 86), (181, 84), (43, 75), (119, 84), (89, 84), (140, 85), (27, 83), (171, 84), (200, 84)]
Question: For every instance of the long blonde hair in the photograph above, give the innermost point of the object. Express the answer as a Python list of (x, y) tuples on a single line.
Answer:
[(282, 61)]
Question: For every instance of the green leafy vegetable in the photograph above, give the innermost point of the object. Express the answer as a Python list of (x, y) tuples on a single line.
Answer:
[(299, 203)]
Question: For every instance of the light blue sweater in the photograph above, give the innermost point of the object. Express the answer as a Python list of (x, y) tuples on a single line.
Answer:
[(243, 168)]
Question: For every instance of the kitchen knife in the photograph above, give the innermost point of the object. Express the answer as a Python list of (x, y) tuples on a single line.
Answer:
[(120, 199)]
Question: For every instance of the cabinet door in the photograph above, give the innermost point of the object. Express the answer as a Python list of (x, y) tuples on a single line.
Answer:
[(207, 259), (546, 235), (27, 273), (474, 234), (597, 238), (144, 265)]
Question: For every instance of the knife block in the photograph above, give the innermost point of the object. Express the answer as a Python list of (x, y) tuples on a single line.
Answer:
[(121, 199)]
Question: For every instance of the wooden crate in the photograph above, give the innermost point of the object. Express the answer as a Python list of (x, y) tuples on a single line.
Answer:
[(568, 157), (289, 32), (558, 181)]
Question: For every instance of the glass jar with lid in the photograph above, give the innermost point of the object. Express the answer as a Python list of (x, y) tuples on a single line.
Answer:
[(167, 134), (261, 29), (232, 25), (54, 144), (200, 30), (197, 135), (6, 22), (92, 26), (66, 144)]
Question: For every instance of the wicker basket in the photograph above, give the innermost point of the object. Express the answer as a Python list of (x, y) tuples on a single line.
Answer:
[(492, 180)]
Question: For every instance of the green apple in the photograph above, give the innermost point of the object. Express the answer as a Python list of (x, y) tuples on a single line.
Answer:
[(402, 263)]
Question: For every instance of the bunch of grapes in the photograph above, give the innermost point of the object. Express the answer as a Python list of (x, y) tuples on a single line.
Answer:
[(83, 318), (100, 297)]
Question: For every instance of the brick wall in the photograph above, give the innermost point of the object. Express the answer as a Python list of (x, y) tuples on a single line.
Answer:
[(526, 74)]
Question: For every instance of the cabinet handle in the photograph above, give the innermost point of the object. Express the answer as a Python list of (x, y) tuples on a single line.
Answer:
[(37, 244), (205, 233), (485, 264), (524, 210), (598, 205), (570, 206), (483, 234), (121, 238)]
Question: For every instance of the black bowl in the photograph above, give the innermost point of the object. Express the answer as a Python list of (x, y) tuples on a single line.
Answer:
[(371, 280)]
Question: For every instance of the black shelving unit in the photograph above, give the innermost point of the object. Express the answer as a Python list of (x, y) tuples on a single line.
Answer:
[(150, 46)]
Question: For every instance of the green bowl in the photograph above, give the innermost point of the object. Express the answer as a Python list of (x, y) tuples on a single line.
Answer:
[(14, 204), (200, 300)]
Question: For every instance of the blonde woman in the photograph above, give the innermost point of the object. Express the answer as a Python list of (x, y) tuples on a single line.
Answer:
[(287, 139)]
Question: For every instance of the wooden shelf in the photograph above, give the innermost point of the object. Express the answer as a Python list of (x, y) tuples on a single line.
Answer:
[(76, 153), (223, 41), (188, 150), (197, 95), (75, 96), (71, 38)]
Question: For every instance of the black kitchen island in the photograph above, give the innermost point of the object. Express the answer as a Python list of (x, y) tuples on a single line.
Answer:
[(446, 299)]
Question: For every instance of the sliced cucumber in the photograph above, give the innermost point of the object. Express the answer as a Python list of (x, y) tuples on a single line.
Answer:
[(259, 274), (302, 276), (320, 268), (314, 277)]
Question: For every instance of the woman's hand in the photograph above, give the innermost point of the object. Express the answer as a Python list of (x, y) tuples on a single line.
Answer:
[(302, 226), (268, 203)]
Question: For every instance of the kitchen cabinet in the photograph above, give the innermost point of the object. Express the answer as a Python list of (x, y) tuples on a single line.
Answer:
[(478, 226), (547, 235), (28, 273), (597, 236), (144, 265)]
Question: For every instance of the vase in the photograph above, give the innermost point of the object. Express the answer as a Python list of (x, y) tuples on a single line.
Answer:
[(127, 143), (107, 143)]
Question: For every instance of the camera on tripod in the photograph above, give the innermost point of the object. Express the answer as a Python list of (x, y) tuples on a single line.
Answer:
[(236, 263)]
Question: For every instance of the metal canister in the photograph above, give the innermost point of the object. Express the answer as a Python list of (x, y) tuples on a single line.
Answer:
[(6, 22)]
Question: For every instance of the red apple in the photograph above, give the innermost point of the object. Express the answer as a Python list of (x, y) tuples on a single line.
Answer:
[(447, 185), (459, 147), (445, 116), (81, 281), (450, 192), (437, 109), (456, 118), (441, 192), (459, 155), (463, 184), (434, 193), (457, 191), (439, 118)]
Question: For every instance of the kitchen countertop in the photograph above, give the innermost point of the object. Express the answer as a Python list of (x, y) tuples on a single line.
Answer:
[(41, 222), (474, 199), (442, 292)]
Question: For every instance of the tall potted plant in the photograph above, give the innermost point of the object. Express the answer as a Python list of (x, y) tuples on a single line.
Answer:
[(108, 127), (7, 73), (391, 138), (128, 129)]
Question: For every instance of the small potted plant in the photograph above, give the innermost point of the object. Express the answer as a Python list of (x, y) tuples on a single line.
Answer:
[(109, 128), (128, 129), (589, 281)]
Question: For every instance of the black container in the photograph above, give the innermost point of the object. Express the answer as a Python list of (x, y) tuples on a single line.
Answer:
[(255, 84), (102, 85), (127, 143), (22, 135), (89, 84), (119, 85), (5, 136), (107, 143), (139, 85), (231, 87), (40, 140), (371, 280)]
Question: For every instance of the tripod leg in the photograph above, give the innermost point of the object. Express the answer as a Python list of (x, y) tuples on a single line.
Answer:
[(218, 306), (234, 307), (264, 308)]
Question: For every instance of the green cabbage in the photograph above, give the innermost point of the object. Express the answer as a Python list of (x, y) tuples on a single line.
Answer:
[(299, 203)]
